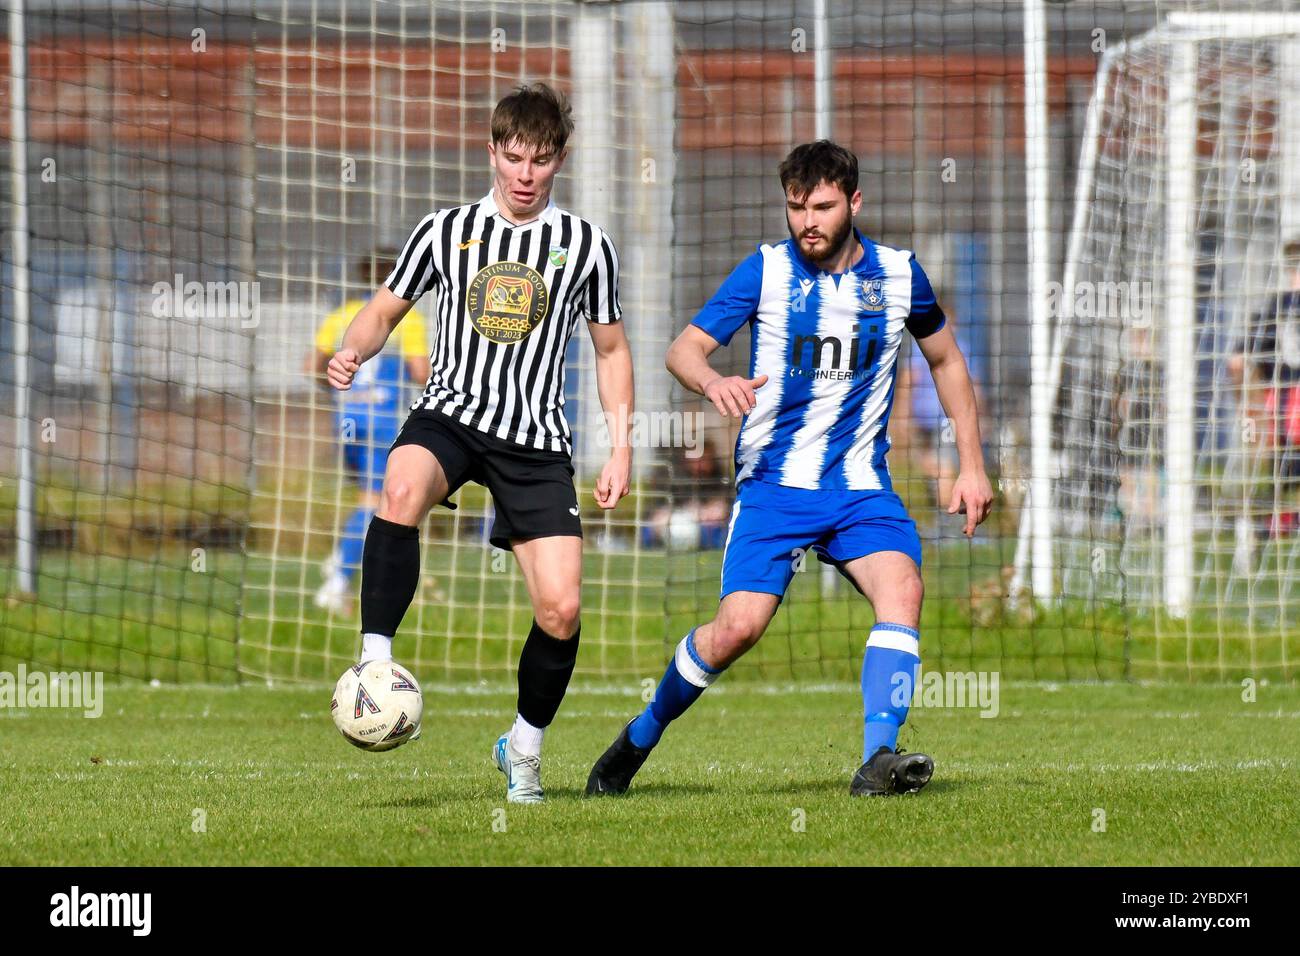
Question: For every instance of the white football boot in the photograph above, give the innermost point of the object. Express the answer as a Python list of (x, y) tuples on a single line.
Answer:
[(523, 774)]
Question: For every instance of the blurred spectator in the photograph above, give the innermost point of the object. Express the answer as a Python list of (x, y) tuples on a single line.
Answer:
[(369, 416), (699, 493), (1268, 364), (1140, 434)]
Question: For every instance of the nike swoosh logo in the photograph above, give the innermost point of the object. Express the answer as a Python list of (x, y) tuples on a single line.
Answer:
[(574, 511), (466, 245)]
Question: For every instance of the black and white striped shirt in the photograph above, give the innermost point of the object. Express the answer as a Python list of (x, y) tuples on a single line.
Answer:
[(508, 299)]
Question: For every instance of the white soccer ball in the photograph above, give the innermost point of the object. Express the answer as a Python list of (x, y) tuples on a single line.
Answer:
[(377, 705), (683, 530)]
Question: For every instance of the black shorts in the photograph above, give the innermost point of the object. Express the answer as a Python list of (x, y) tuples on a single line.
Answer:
[(532, 490)]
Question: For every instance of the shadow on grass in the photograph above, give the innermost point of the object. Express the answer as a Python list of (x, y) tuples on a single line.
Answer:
[(824, 786), (649, 790), (553, 795), (426, 801)]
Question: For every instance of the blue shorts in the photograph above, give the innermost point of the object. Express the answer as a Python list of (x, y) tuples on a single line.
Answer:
[(773, 526), (365, 457), (366, 463)]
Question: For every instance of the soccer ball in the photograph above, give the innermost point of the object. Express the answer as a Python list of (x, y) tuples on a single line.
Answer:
[(683, 530), (377, 705)]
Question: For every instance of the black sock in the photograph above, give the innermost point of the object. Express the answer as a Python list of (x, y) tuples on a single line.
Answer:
[(545, 667), (390, 573)]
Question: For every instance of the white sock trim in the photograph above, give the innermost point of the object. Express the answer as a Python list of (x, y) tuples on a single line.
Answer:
[(526, 738), (376, 647), (686, 666), (895, 640)]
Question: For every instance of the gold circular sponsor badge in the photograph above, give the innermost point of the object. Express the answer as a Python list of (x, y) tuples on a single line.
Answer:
[(506, 301)]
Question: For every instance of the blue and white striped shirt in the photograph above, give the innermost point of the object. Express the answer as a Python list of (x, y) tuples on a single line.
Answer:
[(828, 344)]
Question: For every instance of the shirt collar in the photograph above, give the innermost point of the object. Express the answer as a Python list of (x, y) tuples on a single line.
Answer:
[(547, 215)]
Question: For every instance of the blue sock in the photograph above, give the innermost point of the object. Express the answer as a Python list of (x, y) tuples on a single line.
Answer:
[(354, 541), (684, 681), (889, 671)]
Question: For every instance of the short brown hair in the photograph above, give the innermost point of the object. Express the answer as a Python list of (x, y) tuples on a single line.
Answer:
[(811, 164), (533, 114)]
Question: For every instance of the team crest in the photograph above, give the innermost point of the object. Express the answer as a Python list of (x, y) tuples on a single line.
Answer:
[(506, 301), (559, 256), (873, 300)]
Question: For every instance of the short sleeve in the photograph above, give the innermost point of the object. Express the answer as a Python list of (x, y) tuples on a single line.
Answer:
[(735, 302), (414, 274), (926, 317), (600, 299)]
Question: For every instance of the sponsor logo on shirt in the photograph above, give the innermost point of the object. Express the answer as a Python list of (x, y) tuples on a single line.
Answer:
[(506, 301)]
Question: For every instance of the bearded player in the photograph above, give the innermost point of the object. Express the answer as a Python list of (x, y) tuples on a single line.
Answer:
[(511, 273), (828, 309)]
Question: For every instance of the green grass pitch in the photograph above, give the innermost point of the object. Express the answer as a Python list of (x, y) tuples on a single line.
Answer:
[(213, 767), (753, 774), (157, 618)]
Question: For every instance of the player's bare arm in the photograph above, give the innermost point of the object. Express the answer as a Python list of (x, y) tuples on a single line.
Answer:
[(366, 336), (688, 360), (417, 366), (972, 495), (614, 384), (796, 487)]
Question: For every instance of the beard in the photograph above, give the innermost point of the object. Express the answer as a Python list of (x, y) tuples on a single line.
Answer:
[(836, 237)]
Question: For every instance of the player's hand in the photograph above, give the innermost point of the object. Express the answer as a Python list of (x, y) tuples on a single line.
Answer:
[(613, 481), (733, 394), (342, 367), (972, 495)]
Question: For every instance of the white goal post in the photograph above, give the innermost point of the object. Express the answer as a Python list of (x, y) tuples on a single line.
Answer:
[(1209, 80)]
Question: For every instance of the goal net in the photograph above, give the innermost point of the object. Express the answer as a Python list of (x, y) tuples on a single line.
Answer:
[(369, 120), (1176, 438), (200, 195)]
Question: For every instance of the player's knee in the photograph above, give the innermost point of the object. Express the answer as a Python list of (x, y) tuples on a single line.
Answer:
[(733, 636), (899, 601), (400, 500), (558, 615), (904, 600), (912, 591)]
